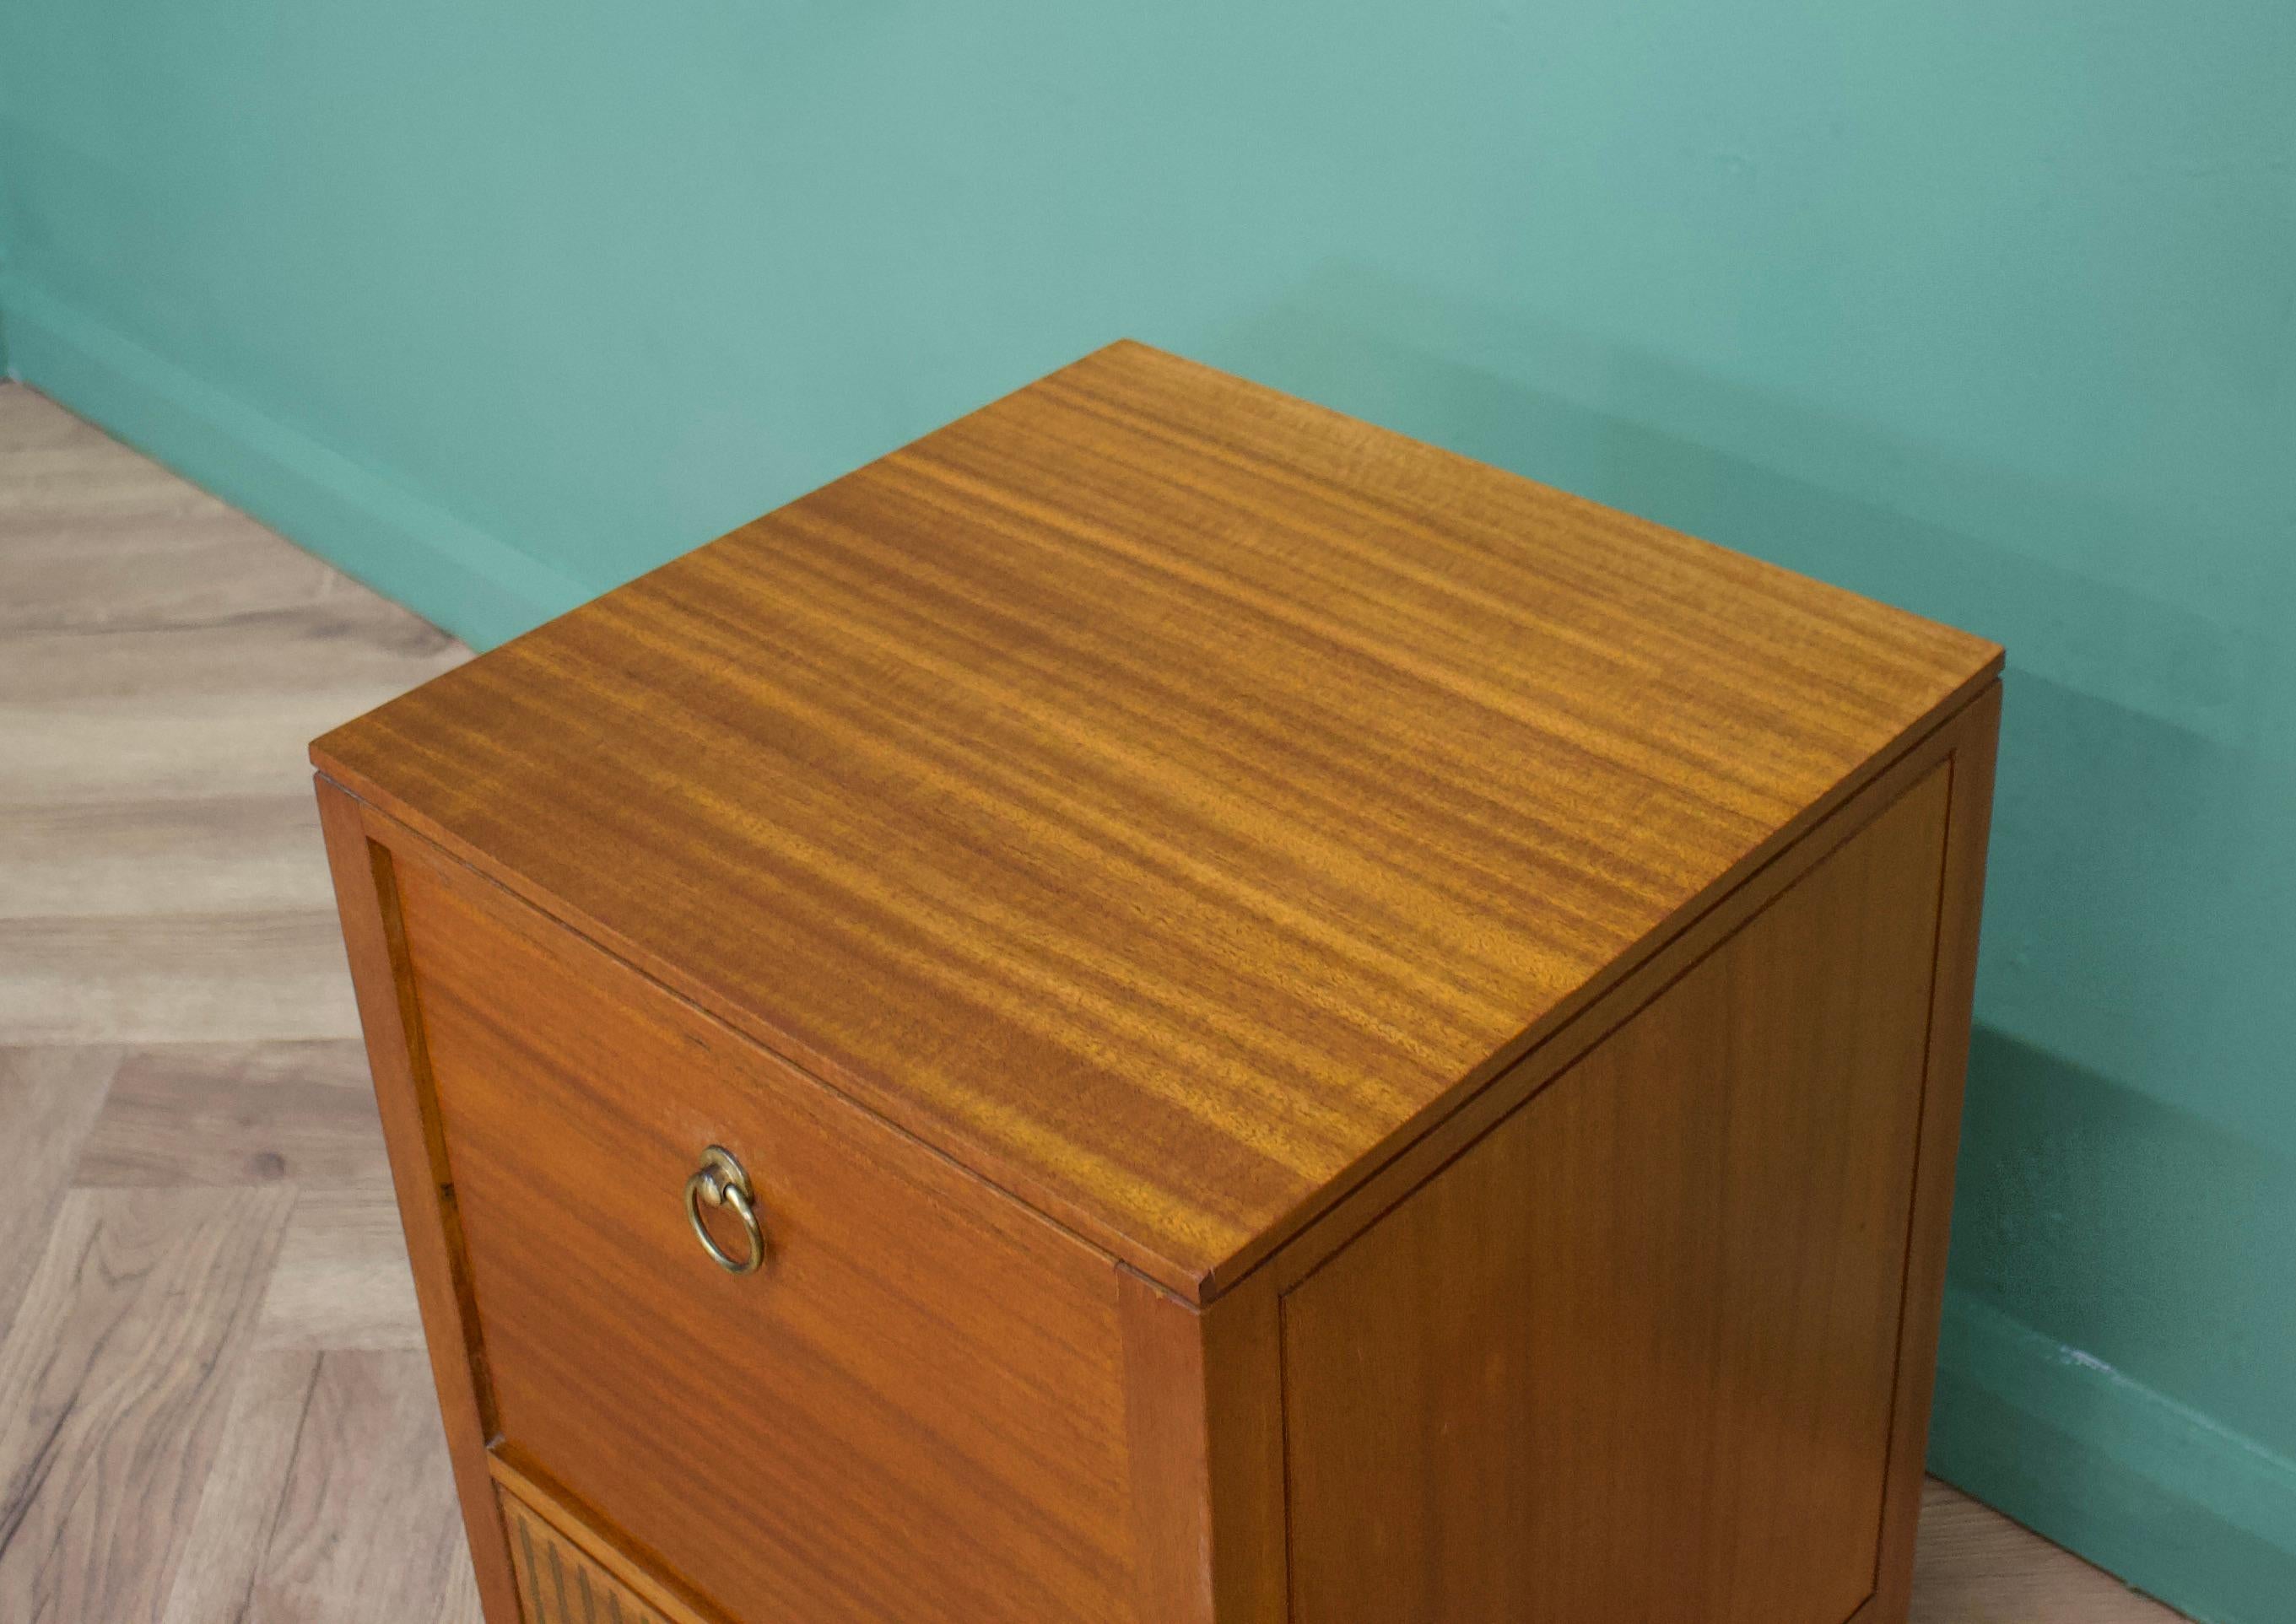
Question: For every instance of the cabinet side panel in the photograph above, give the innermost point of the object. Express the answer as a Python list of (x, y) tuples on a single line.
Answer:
[(366, 897), (1205, 1408), (1633, 1355), (1969, 813)]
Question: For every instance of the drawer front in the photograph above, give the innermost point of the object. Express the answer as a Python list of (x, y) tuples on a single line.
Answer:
[(913, 1411), (561, 1583)]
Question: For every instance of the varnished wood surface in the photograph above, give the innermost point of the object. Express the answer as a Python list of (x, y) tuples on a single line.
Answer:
[(915, 1410), (1376, 1195), (561, 1583), (1975, 737), (1654, 1311), (366, 895), (1204, 1396), (1161, 794), (528, 1500), (151, 598)]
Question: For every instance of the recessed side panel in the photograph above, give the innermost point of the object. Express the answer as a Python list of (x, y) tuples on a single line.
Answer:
[(367, 894), (1632, 1355)]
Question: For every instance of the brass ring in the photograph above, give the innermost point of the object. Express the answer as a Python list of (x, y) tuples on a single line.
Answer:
[(721, 1181)]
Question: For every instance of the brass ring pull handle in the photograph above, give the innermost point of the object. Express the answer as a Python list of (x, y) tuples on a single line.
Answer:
[(721, 1183)]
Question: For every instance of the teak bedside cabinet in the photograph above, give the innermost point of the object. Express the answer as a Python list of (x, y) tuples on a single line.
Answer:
[(1165, 1007)]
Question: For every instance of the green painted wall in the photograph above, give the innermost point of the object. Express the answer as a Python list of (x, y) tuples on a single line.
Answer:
[(1986, 309)]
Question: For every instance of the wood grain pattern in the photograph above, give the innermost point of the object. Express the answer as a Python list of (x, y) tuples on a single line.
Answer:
[(534, 1497), (121, 858), (49, 1099), (1378, 1194), (238, 1114), (1953, 990), (323, 1501), (366, 892), (920, 1398), (1977, 1567), (239, 1501), (368, 1437), (341, 1281), (113, 1383), (1162, 795), (1633, 1355), (175, 566), (1205, 1398), (163, 978), (561, 1583)]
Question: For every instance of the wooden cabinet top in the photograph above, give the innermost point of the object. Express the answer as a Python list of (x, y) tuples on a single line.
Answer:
[(1162, 795)]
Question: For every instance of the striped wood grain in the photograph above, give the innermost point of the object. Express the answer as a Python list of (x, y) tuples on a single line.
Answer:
[(1161, 795), (559, 1583)]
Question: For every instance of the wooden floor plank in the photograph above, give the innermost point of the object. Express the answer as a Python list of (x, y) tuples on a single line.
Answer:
[(251, 854), (1974, 1566), (371, 1457), (341, 1280), (175, 979), (362, 644), (112, 1383), (31, 422), (49, 1101), (239, 1505), (237, 1114), (120, 571), (176, 745), (72, 480)]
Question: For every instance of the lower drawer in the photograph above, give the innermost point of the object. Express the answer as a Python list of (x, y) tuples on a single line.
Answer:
[(559, 1582)]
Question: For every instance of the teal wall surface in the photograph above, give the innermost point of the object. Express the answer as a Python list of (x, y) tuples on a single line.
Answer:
[(1989, 311)]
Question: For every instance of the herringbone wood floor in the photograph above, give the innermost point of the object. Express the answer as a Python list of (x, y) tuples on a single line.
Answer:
[(214, 1408)]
